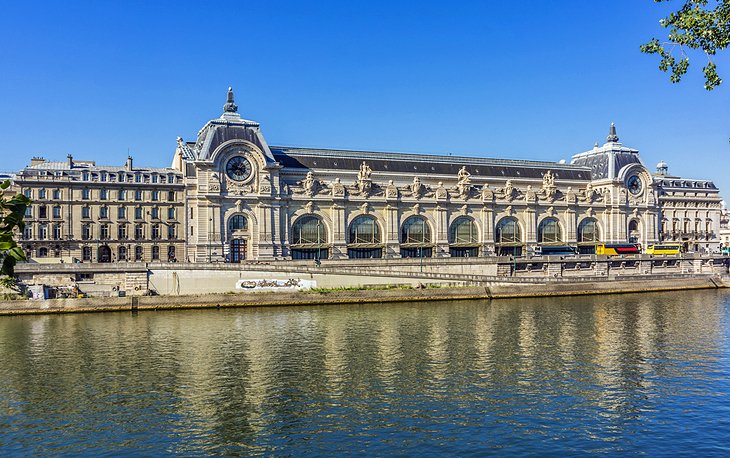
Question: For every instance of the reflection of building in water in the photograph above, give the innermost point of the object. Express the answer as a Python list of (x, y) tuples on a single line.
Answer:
[(389, 352), (437, 347)]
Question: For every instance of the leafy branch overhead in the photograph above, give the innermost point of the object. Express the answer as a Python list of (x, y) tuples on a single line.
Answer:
[(698, 25), (12, 212)]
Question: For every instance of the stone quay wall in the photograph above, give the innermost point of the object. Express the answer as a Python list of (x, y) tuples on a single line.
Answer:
[(359, 297), (137, 279)]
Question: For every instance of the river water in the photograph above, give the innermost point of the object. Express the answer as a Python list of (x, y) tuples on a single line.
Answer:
[(625, 374)]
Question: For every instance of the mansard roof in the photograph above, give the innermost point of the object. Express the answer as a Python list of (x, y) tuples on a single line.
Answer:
[(606, 161), (422, 164)]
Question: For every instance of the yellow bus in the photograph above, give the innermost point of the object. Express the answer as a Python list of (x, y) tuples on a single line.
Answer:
[(616, 249), (664, 248)]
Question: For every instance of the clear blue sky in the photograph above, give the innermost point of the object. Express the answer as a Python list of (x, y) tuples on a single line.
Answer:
[(533, 80)]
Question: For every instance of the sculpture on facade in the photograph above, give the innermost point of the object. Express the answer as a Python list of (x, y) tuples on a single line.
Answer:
[(310, 184), (549, 190), (391, 191), (364, 184), (338, 189), (487, 193), (365, 172), (464, 176), (464, 183), (416, 187), (530, 195)]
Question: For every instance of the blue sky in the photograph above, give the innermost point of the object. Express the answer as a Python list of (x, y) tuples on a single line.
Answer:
[(531, 80)]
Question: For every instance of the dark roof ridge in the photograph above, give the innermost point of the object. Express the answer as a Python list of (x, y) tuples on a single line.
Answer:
[(415, 156)]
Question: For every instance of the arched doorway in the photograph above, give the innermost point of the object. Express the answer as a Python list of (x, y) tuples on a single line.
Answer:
[(634, 232), (237, 238), (104, 254)]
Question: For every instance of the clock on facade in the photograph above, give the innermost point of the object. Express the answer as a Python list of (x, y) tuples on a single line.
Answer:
[(634, 184), (238, 168)]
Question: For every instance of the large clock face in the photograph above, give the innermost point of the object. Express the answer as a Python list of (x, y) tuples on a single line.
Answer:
[(634, 184), (238, 168)]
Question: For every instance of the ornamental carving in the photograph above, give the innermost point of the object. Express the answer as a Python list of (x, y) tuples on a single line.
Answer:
[(530, 194), (441, 192), (338, 189), (570, 196), (310, 186), (487, 193), (464, 177), (509, 192), (391, 191), (215, 183)]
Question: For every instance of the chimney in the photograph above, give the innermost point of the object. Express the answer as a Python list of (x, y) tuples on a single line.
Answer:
[(37, 160), (129, 163), (70, 160)]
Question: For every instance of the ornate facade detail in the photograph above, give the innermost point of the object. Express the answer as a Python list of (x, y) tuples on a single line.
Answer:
[(338, 189), (487, 193), (530, 195), (441, 191), (391, 191)]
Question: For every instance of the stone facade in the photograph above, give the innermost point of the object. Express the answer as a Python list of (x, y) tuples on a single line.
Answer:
[(82, 212), (237, 198)]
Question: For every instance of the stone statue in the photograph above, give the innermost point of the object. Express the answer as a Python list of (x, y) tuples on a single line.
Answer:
[(530, 195), (416, 187), (464, 176), (548, 180), (310, 184), (509, 190), (365, 172)]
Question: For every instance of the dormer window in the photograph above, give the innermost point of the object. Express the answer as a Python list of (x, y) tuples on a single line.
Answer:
[(85, 176)]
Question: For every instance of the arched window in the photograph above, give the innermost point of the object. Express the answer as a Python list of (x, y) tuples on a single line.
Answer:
[(237, 223), (416, 230), (364, 229), (588, 236), (416, 238), (463, 238), (308, 235), (588, 231), (508, 237), (364, 238), (549, 231), (43, 252)]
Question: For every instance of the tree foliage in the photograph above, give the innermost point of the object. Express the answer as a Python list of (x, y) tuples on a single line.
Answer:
[(12, 212), (698, 25)]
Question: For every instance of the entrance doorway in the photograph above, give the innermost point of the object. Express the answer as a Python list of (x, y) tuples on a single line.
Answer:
[(238, 251), (105, 254)]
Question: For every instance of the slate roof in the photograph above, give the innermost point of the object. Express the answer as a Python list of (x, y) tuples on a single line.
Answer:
[(422, 164)]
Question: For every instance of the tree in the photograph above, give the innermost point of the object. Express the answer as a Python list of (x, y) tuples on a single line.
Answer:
[(12, 212), (698, 25)]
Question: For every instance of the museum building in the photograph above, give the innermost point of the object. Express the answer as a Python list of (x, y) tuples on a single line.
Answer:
[(229, 196)]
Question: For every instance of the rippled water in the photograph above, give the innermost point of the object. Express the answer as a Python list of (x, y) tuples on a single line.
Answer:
[(626, 374)]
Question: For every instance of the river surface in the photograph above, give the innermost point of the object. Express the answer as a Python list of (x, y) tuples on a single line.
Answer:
[(625, 374)]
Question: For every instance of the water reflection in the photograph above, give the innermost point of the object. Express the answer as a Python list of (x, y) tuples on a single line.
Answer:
[(610, 374)]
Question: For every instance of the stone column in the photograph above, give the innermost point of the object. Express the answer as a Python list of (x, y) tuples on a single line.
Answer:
[(339, 226), (440, 215), (392, 230)]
